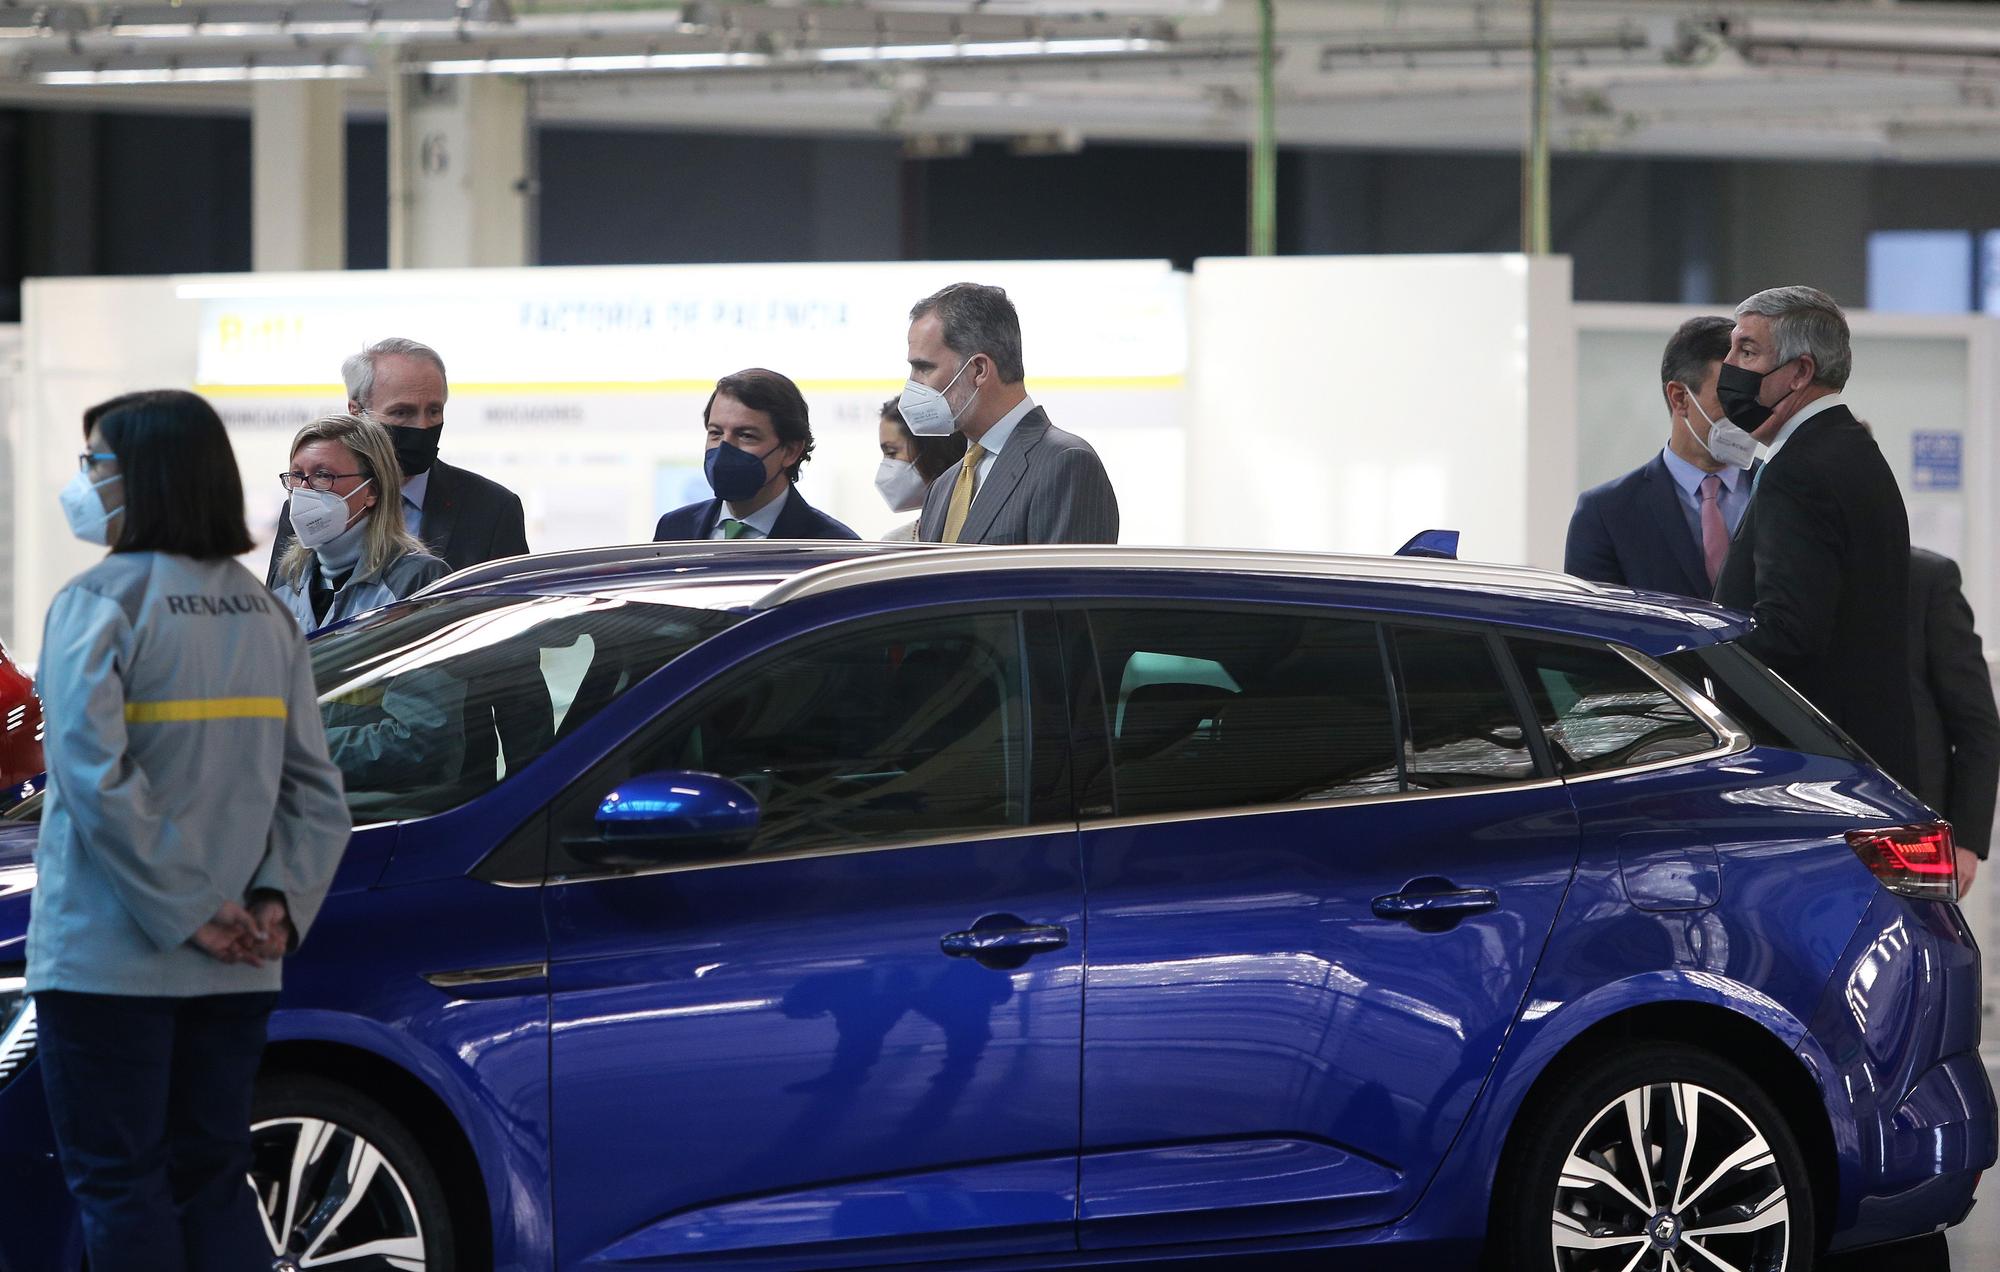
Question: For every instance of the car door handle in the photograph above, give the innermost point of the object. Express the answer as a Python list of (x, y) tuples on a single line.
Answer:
[(1433, 905), (1003, 941)]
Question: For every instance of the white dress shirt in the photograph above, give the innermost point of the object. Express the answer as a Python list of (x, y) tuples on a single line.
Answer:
[(1806, 412), (996, 440), (759, 523)]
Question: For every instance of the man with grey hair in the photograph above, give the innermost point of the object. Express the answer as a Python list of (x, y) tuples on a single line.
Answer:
[(1022, 480), (1822, 558), (462, 517)]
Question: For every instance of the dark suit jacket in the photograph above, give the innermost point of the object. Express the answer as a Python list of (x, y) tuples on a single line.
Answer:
[(1822, 559), (1958, 728), (1631, 531), (1047, 486), (468, 520), (797, 520)]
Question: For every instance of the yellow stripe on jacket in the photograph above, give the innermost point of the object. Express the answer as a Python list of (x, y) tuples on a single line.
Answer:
[(187, 710)]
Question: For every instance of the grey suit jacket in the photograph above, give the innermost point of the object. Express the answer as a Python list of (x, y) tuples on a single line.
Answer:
[(1047, 486)]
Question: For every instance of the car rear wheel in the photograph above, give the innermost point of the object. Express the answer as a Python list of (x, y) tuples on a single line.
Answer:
[(341, 1183), (1667, 1161)]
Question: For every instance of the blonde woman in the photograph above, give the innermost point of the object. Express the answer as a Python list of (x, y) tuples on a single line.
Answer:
[(353, 552)]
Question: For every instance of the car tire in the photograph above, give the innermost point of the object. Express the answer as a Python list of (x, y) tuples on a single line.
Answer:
[(1574, 1196), (316, 1141)]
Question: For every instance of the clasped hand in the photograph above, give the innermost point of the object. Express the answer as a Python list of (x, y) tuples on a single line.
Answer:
[(252, 934)]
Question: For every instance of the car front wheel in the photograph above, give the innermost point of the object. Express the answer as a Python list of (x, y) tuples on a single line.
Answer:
[(341, 1183), (1667, 1161)]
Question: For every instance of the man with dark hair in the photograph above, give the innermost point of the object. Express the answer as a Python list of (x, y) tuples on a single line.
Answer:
[(463, 518), (1665, 526), (1022, 479), (1822, 558), (759, 439)]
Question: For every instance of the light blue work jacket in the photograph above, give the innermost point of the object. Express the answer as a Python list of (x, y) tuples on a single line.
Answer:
[(187, 767)]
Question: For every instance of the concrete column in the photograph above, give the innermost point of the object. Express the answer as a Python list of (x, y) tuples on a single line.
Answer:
[(458, 172), (298, 164)]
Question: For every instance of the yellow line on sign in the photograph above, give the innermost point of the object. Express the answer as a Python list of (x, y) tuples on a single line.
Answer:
[(643, 388), (184, 710)]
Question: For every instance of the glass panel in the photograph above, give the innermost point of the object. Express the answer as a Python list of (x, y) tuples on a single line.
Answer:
[(1460, 727), (1599, 712), (1758, 702), (1920, 271), (431, 704), (901, 731), (1222, 710)]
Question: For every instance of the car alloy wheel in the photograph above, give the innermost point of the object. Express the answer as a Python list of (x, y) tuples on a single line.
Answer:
[(330, 1198), (1671, 1177)]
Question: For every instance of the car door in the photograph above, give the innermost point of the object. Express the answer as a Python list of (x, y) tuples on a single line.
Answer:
[(1321, 863), (772, 1056)]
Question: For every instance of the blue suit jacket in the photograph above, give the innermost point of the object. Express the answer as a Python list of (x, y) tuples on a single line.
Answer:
[(799, 520), (1631, 531)]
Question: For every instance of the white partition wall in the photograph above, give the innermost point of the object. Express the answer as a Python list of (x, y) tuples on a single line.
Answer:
[(1346, 403), (582, 389)]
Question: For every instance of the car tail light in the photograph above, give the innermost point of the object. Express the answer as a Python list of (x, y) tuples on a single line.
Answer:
[(1917, 861)]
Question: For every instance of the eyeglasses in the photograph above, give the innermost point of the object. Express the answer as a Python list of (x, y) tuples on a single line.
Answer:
[(91, 459), (322, 482)]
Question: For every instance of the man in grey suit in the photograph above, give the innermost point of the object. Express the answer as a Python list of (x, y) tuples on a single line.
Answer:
[(1022, 480)]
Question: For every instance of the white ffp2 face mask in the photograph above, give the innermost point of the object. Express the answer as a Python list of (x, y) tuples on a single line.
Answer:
[(84, 509), (925, 411), (1727, 443), (901, 485), (320, 516)]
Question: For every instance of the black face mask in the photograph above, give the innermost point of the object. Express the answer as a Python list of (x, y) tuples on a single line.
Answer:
[(416, 448), (1737, 389)]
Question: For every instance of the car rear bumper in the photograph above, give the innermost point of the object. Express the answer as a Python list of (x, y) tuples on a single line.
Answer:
[(1897, 1055)]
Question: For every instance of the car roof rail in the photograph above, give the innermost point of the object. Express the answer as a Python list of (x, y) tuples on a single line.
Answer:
[(839, 576)]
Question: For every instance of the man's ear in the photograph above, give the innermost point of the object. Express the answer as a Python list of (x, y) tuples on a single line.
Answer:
[(355, 408), (1809, 365)]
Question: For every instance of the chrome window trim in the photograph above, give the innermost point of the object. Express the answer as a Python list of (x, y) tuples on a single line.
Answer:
[(1733, 740), (1040, 828), (799, 854), (841, 575), (1309, 805)]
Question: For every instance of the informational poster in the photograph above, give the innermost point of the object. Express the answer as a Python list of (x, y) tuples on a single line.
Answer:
[(583, 388), (1937, 461)]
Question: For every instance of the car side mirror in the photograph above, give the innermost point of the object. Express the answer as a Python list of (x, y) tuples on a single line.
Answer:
[(653, 818)]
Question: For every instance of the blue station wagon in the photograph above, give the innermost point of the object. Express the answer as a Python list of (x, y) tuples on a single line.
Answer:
[(767, 905)]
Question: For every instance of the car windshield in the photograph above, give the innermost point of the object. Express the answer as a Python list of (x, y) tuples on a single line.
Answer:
[(431, 704)]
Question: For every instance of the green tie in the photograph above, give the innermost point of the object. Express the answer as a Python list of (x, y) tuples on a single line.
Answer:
[(732, 528)]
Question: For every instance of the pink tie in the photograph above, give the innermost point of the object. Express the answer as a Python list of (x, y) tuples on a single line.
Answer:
[(1714, 534)]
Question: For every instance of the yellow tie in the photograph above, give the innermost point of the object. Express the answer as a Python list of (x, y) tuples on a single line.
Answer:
[(961, 494)]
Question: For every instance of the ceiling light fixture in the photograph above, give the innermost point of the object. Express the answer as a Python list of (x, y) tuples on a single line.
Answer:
[(199, 74), (587, 63), (988, 48)]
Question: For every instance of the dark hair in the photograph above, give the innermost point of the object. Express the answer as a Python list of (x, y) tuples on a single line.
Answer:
[(776, 396), (933, 454), (1695, 344), (183, 492), (978, 319)]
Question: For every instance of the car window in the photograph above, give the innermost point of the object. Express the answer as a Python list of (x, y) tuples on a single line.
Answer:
[(1759, 702), (907, 730), (1460, 726), (431, 704), (1228, 709), (1599, 712)]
